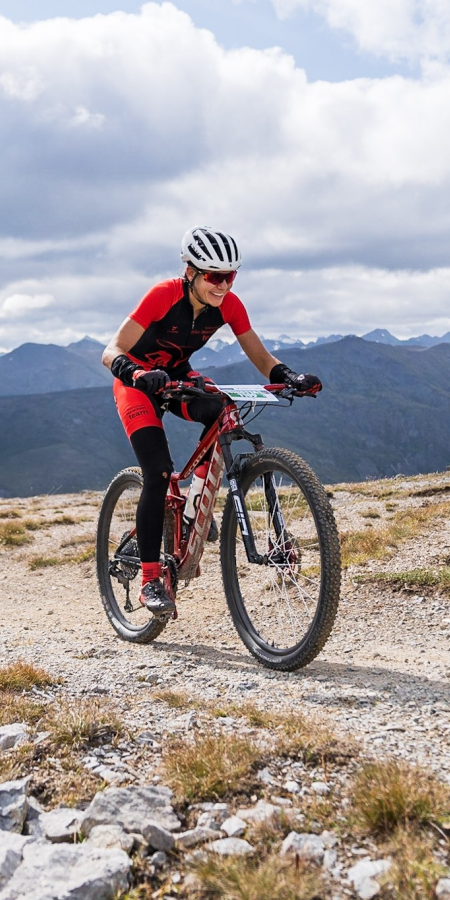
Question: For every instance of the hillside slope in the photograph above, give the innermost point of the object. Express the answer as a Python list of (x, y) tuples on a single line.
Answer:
[(384, 410)]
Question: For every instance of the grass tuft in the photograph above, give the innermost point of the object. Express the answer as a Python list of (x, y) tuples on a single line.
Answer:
[(10, 514), (360, 546), (414, 869), (43, 562), (250, 879), (22, 676), (174, 699), (417, 578), (211, 766), (390, 794), (14, 534), (81, 723), (312, 742), (15, 707)]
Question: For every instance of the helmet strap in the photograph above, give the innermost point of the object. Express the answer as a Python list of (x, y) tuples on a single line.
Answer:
[(190, 285)]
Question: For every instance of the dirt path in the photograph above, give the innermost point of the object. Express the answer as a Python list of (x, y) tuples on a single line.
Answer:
[(383, 676)]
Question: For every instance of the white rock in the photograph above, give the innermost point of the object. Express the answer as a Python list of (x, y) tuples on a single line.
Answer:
[(292, 786), (195, 836), (110, 837), (363, 875), (259, 813), (136, 809), (11, 849), (229, 847), (61, 824), (309, 846), (329, 839), (265, 776), (13, 735), (13, 804), (233, 826), (443, 889), (329, 859), (61, 872), (321, 788), (112, 776)]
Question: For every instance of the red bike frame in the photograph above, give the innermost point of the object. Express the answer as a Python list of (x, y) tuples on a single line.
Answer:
[(188, 552)]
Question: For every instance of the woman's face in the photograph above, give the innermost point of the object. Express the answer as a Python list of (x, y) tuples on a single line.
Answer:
[(211, 294)]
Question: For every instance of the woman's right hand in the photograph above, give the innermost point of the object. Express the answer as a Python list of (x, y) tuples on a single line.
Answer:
[(150, 382)]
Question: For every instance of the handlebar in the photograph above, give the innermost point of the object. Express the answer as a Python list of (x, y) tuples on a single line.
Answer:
[(187, 388)]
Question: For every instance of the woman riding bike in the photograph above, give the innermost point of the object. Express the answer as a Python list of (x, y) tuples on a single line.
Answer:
[(153, 346)]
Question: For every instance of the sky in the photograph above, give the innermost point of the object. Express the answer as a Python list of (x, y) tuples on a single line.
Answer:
[(316, 132)]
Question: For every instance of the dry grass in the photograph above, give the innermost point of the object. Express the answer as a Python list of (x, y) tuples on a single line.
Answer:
[(83, 556), (360, 546), (14, 534), (78, 724), (417, 578), (17, 708), (174, 699), (43, 562), (414, 871), (312, 742), (62, 520), (390, 794), (10, 513), (297, 737), (272, 878), (210, 767), (79, 539), (63, 779), (56, 777), (22, 676)]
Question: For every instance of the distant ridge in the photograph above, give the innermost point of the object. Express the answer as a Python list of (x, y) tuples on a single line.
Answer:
[(384, 410), (47, 368)]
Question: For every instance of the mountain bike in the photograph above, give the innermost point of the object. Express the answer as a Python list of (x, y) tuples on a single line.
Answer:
[(279, 546)]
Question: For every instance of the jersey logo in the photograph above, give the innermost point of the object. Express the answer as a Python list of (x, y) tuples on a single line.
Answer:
[(159, 359)]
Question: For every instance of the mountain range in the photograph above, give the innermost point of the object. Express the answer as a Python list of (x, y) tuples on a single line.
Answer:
[(384, 410), (46, 368)]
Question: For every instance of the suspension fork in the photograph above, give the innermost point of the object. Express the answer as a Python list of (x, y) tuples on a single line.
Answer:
[(232, 468), (276, 516)]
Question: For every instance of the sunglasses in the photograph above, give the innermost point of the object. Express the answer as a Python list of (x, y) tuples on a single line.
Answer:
[(218, 277)]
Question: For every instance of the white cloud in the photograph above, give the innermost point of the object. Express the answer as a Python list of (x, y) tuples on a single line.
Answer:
[(398, 29), (16, 306), (139, 126)]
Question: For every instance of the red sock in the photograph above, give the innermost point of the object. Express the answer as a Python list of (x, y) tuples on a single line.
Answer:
[(150, 571)]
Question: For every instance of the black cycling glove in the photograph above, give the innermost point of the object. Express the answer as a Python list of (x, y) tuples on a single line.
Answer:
[(132, 375), (150, 382), (304, 384)]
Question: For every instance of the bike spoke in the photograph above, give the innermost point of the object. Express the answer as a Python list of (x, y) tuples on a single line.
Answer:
[(280, 597)]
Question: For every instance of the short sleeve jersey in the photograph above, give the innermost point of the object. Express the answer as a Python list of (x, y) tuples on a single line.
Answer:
[(171, 335)]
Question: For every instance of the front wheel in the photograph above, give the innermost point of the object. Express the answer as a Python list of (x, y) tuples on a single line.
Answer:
[(284, 609), (118, 563)]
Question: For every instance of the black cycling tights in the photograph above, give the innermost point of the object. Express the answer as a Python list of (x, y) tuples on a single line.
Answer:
[(152, 452), (153, 455)]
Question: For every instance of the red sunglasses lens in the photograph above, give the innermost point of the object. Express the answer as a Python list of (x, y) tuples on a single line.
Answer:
[(218, 277)]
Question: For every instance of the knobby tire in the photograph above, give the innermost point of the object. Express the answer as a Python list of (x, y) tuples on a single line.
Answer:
[(283, 610), (117, 515)]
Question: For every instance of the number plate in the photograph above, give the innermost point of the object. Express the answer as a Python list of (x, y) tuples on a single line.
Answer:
[(255, 393)]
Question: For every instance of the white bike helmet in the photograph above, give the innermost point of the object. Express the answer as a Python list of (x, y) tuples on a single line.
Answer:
[(210, 251)]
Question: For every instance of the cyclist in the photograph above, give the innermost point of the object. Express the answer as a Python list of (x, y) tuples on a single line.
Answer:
[(153, 346)]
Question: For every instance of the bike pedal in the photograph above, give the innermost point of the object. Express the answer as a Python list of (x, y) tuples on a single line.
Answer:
[(165, 617)]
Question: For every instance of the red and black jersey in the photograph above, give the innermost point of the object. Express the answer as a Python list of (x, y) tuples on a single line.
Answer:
[(171, 335)]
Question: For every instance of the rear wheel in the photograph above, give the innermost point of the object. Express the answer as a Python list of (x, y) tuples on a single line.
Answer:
[(118, 563), (284, 609)]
